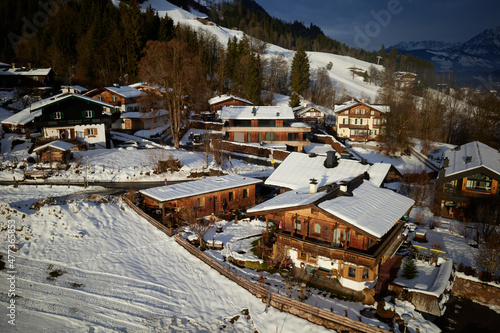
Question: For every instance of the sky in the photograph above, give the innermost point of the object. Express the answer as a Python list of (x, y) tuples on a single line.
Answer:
[(368, 24)]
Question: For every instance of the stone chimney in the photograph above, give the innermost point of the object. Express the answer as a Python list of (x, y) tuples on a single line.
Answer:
[(313, 185)]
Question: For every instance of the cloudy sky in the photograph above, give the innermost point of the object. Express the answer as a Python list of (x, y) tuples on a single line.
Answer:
[(370, 23)]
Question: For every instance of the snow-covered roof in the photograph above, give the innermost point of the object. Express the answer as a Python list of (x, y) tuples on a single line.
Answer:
[(57, 144), (223, 98), (349, 104), (198, 187), (143, 115), (378, 172), (370, 208), (22, 117), (298, 168), (125, 91), (25, 71), (289, 199), (77, 88), (470, 156), (303, 109), (257, 112)]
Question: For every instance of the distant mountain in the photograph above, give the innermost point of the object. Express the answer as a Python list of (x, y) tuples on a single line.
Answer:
[(480, 54)]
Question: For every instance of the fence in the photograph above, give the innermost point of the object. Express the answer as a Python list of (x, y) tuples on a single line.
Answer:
[(314, 314), (169, 231)]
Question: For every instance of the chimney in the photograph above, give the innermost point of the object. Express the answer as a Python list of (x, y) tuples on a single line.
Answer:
[(363, 99), (313, 185), (29, 65), (331, 159), (446, 162), (468, 159), (343, 186), (254, 110), (116, 85), (13, 65)]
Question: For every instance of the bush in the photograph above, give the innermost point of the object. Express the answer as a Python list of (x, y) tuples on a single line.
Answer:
[(467, 270), (170, 165)]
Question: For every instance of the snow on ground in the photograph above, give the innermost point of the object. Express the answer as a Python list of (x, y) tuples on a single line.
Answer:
[(87, 266), (123, 164)]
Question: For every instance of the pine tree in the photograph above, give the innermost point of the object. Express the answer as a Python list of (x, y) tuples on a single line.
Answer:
[(299, 75), (410, 268), (294, 100)]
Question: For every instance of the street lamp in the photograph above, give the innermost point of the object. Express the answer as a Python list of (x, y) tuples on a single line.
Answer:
[(406, 319)]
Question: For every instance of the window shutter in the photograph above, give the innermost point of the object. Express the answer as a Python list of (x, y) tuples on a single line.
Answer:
[(84, 114), (86, 132), (62, 115), (93, 114), (95, 131), (51, 116)]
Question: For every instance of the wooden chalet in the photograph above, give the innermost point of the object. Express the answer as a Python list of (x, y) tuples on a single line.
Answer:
[(315, 115), (266, 125), (55, 151), (26, 77), (218, 102), (340, 232), (206, 196), (122, 98), (469, 178), (359, 121)]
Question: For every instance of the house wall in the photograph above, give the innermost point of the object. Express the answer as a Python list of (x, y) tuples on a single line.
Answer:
[(99, 139), (124, 104)]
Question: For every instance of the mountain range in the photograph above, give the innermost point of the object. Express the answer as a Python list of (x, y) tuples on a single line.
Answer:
[(480, 54)]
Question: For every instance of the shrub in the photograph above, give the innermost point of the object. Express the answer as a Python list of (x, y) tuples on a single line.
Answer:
[(410, 268), (170, 165), (485, 276)]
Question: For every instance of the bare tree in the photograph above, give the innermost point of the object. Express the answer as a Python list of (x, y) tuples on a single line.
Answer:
[(488, 256), (178, 72), (276, 76), (199, 226), (323, 92)]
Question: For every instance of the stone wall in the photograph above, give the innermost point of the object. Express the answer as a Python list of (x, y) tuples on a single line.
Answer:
[(476, 291)]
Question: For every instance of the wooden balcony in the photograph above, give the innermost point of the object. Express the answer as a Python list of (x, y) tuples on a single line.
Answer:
[(267, 129)]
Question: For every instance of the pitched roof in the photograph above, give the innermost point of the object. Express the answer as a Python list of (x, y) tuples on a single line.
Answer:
[(257, 112), (349, 104), (57, 144), (125, 91), (298, 168), (370, 208), (26, 71), (223, 98), (22, 117), (470, 156), (198, 187)]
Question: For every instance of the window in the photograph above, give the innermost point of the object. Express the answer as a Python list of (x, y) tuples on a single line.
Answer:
[(114, 98), (372, 112), (317, 228), (249, 137), (89, 113), (361, 121), (352, 272), (245, 193), (345, 121), (362, 111), (479, 182), (91, 132), (366, 272), (57, 115), (99, 98), (298, 224), (357, 111), (356, 121), (312, 259), (346, 112), (270, 136), (35, 78), (293, 136), (201, 202), (302, 256), (260, 137), (231, 196)]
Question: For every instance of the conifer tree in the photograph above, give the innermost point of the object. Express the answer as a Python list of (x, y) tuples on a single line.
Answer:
[(410, 270), (299, 75)]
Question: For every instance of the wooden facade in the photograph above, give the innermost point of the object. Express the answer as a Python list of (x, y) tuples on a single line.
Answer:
[(229, 101), (216, 202), (120, 102), (359, 121)]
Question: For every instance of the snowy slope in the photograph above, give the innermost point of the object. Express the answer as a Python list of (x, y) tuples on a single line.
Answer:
[(339, 73)]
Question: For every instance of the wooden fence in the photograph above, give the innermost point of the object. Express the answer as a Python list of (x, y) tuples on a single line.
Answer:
[(169, 231), (314, 314)]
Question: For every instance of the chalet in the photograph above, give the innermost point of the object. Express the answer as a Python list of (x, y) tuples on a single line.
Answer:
[(468, 178), (315, 115), (55, 151), (266, 125), (26, 77), (342, 232), (76, 118), (122, 98), (359, 121), (22, 122), (297, 169), (206, 196), (218, 102), (74, 90), (404, 79), (137, 120)]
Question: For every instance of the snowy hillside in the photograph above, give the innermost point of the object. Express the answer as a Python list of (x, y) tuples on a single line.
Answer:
[(340, 75)]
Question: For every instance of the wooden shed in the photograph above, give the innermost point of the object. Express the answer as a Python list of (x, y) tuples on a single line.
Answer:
[(55, 151), (204, 196)]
